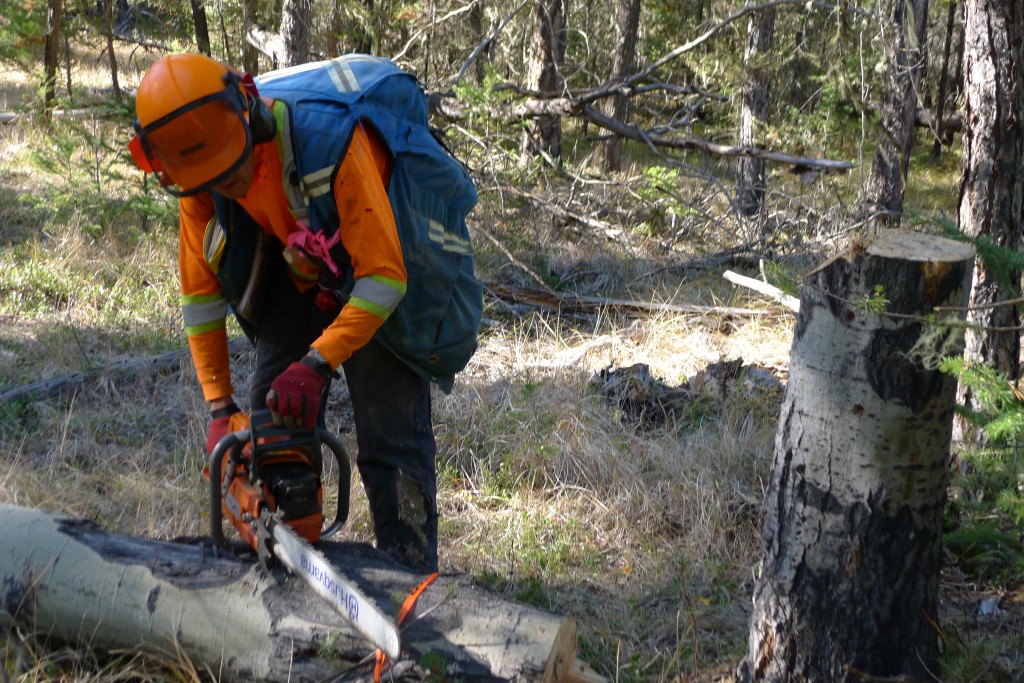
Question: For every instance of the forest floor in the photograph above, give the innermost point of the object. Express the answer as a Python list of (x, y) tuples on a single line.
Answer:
[(606, 462)]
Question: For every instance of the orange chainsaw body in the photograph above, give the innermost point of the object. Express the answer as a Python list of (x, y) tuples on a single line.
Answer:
[(270, 474)]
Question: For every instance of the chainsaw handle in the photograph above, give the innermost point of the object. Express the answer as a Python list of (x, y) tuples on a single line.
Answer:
[(233, 441), (344, 480)]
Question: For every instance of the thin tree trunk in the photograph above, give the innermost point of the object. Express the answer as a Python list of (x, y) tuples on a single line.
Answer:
[(940, 100), (250, 56), (992, 181), (296, 16), (848, 587), (69, 581), (108, 31), (756, 93), (626, 28), (51, 54), (547, 59), (202, 26), (476, 23), (905, 54)]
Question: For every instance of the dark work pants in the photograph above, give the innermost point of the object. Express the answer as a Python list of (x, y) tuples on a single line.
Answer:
[(394, 431)]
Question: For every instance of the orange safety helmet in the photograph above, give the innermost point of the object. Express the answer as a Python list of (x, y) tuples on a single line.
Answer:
[(193, 126)]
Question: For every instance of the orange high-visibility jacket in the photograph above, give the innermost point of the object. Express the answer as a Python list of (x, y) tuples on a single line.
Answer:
[(367, 232)]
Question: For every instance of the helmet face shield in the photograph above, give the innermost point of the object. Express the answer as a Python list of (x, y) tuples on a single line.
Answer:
[(199, 144)]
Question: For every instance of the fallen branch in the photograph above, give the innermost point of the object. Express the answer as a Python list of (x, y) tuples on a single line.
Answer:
[(164, 362), (790, 302), (568, 303)]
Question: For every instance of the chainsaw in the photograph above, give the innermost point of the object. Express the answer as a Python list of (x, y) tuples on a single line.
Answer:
[(266, 481)]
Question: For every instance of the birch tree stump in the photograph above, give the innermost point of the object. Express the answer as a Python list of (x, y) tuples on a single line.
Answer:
[(852, 537), (71, 582)]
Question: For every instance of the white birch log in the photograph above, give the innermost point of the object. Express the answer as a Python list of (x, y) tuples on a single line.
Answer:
[(71, 582)]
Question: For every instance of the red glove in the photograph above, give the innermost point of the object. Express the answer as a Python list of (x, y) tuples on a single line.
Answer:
[(217, 430), (223, 423), (294, 397)]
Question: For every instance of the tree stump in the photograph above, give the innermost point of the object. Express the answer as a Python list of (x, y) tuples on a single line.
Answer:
[(852, 537), (67, 580)]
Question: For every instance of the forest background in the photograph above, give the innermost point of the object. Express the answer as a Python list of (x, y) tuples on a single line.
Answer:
[(606, 452)]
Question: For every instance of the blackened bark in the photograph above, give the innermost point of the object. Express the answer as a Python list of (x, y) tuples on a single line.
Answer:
[(626, 28), (992, 182), (940, 100), (547, 58), (756, 93), (51, 54), (848, 587), (250, 56), (108, 31), (905, 55), (201, 25)]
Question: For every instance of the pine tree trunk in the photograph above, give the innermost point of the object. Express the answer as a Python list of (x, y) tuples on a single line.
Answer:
[(750, 172), (940, 98), (202, 26), (853, 531), (70, 582), (992, 183), (250, 56), (51, 54), (626, 29), (547, 58), (108, 32), (905, 54)]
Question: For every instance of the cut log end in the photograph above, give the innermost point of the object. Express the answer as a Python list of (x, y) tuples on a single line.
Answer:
[(916, 246)]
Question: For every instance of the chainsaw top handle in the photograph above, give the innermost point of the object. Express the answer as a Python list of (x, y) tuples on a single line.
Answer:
[(267, 439)]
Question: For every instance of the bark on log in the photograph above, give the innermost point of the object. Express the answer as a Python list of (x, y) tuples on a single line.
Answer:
[(69, 581), (848, 588), (63, 384)]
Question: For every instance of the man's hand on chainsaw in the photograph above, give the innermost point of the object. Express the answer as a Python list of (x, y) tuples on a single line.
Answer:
[(294, 397), (220, 424)]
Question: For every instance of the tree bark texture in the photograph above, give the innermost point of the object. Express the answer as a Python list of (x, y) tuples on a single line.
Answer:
[(202, 26), (940, 98), (905, 53), (992, 176), (108, 33), (70, 582), (250, 57), (756, 93), (547, 59), (51, 53), (849, 576), (296, 16), (626, 28)]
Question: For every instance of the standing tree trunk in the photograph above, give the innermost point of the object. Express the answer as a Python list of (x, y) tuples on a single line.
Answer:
[(547, 58), (904, 45), (51, 54), (108, 31), (992, 181), (626, 29), (202, 26), (756, 91), (296, 16), (940, 99), (250, 56), (848, 588)]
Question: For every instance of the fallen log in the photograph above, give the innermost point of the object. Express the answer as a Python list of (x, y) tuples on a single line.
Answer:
[(67, 580), (62, 384)]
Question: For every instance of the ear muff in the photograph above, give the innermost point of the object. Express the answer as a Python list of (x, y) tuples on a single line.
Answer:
[(261, 121)]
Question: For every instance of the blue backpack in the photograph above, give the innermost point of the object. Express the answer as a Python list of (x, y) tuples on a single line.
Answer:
[(434, 328)]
